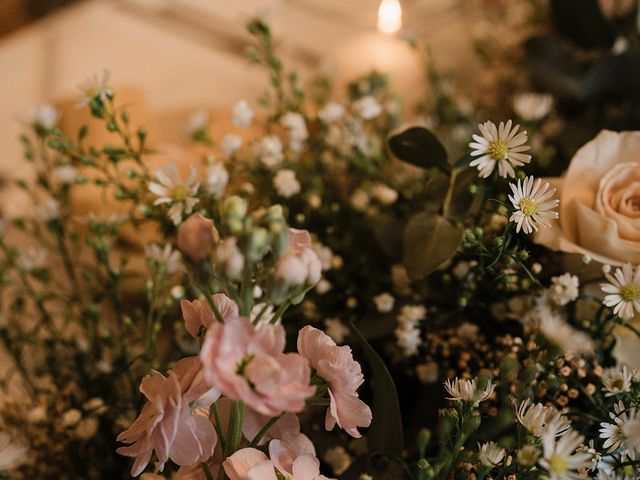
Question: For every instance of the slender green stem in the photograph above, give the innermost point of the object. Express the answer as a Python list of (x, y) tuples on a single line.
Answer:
[(207, 471), (267, 426), (216, 416), (235, 427), (281, 309)]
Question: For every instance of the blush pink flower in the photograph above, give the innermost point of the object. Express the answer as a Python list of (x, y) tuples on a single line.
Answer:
[(252, 464), (287, 429), (167, 423), (343, 375), (197, 313), (247, 363), (299, 265)]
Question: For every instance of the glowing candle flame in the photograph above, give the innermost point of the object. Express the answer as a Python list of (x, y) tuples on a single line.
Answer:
[(389, 16)]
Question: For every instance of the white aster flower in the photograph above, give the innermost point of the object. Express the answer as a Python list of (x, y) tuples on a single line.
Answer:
[(95, 87), (336, 329), (490, 454), (623, 291), (564, 289), (617, 380), (269, 151), (167, 256), (468, 390), (368, 107), (331, 112), (384, 302), (286, 183), (615, 434), (297, 127), (217, 179), (198, 121), (242, 114), (532, 107), (500, 145), (560, 458), (540, 420), (43, 116), (66, 174), (230, 144), (533, 204), (12, 453), (591, 450), (559, 332), (172, 190)]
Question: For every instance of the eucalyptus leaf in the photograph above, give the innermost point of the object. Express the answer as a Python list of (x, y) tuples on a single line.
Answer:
[(429, 240), (420, 147), (387, 231)]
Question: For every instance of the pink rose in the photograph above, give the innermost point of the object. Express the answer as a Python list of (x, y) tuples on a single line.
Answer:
[(167, 423), (197, 313), (196, 237), (247, 363), (299, 265), (343, 374), (600, 201)]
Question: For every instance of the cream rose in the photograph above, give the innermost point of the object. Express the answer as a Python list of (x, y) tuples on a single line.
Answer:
[(600, 201)]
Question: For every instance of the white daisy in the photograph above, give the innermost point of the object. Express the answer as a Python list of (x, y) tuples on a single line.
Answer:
[(564, 289), (623, 291), (171, 189), (468, 390), (166, 256), (242, 114), (533, 204), (532, 106), (286, 183), (616, 380), (490, 454), (614, 433), (560, 458), (540, 420), (95, 87), (500, 145)]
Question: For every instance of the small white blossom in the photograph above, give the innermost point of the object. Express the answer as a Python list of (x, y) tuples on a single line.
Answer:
[(331, 112), (32, 259), (408, 338), (66, 174), (242, 114), (412, 314), (286, 183), (623, 291), (323, 286), (166, 256), (617, 380), (564, 289), (198, 121), (360, 200), (384, 302), (368, 107), (384, 194), (230, 144), (50, 210), (43, 116), (540, 420), (560, 458), (297, 127), (336, 329), (533, 204), (500, 145), (171, 189), (71, 417), (217, 179), (490, 454), (615, 434), (468, 390), (269, 151), (12, 453), (532, 107), (338, 458), (325, 255), (95, 88)]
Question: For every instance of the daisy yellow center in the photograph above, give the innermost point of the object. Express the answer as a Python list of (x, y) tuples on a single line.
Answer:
[(180, 193), (498, 150), (630, 293), (528, 206), (558, 464)]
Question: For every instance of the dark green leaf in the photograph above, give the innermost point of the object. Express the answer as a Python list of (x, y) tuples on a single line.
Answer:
[(418, 146), (429, 240), (583, 22)]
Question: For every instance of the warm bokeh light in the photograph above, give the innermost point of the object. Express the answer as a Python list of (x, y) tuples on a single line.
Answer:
[(389, 16)]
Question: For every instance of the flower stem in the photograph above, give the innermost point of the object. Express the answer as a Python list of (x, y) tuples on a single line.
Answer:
[(235, 427), (267, 426)]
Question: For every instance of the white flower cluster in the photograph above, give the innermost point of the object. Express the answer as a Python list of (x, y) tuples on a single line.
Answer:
[(407, 333)]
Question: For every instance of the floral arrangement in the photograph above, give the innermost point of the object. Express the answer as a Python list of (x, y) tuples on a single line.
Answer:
[(331, 292)]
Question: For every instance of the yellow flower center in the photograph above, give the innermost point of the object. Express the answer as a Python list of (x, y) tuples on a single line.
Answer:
[(558, 464), (180, 193), (498, 150), (630, 293), (528, 206)]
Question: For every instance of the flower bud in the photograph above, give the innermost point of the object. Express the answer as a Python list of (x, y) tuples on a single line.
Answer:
[(235, 207), (196, 237), (258, 244)]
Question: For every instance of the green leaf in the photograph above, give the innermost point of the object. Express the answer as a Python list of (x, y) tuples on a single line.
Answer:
[(429, 240), (385, 433), (418, 146)]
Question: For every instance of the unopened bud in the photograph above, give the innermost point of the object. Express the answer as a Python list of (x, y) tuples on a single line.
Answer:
[(197, 236)]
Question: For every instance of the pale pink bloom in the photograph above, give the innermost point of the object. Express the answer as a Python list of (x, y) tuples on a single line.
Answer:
[(300, 265), (287, 429), (248, 364), (167, 423), (249, 464), (336, 366), (197, 313)]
